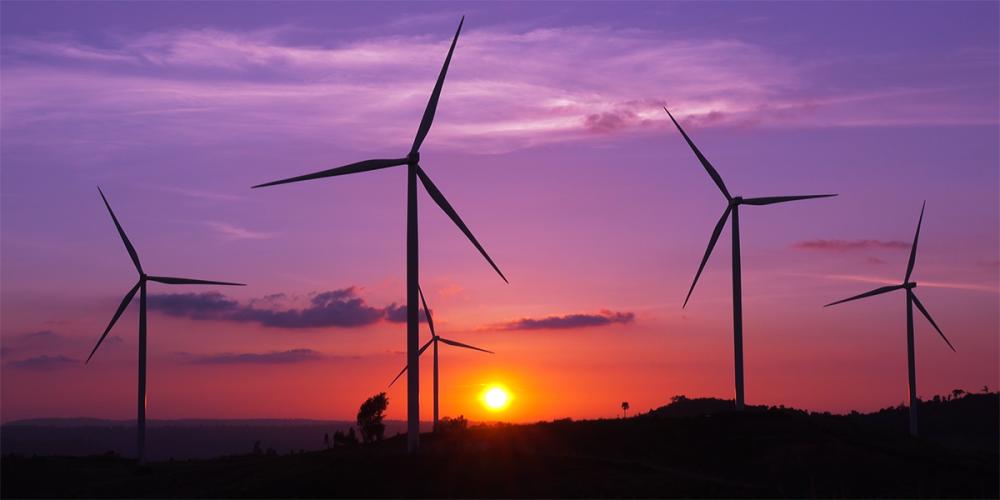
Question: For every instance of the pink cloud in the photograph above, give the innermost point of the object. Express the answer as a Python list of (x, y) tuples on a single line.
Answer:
[(213, 85)]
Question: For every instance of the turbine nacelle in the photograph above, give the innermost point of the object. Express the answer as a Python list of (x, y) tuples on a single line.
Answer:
[(734, 202), (143, 278), (906, 285), (413, 158)]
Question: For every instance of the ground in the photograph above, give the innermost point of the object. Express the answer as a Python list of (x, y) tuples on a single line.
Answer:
[(676, 451)]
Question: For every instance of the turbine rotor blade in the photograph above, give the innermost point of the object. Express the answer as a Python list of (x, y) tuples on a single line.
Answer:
[(913, 248), (439, 198), (708, 252), (121, 232), (877, 291), (424, 348), (353, 168), (188, 281), (427, 311), (929, 318), (428, 118), (770, 200), (466, 346), (114, 319), (401, 372), (704, 161)]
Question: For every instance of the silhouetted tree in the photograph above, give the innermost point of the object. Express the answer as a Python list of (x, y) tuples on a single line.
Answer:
[(326, 440), (449, 425), (340, 439), (957, 393), (625, 408), (256, 448), (370, 418), (986, 389)]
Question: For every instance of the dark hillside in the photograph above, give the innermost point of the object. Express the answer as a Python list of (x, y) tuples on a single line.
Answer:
[(759, 453)]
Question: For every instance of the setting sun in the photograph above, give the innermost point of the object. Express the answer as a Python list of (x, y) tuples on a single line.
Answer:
[(496, 397)]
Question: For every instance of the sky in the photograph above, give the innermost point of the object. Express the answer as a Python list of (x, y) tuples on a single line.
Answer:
[(551, 142)]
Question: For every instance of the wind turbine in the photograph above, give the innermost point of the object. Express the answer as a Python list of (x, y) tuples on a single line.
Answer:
[(434, 340), (414, 172), (140, 287), (733, 208), (911, 300)]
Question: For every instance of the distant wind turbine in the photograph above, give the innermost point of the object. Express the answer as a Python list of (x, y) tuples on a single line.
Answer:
[(140, 287), (911, 300), (434, 341), (414, 171), (732, 208)]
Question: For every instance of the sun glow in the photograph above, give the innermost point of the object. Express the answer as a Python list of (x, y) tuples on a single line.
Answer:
[(495, 397)]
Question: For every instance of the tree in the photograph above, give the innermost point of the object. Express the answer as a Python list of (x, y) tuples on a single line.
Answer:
[(449, 425), (625, 408), (326, 440), (370, 418), (957, 393), (341, 440)]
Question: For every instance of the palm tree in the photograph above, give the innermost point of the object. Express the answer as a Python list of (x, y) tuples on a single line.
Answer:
[(625, 408)]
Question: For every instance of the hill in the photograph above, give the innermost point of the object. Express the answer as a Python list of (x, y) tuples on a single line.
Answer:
[(670, 452)]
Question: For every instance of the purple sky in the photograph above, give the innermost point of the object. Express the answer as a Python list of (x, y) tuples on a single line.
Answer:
[(551, 142)]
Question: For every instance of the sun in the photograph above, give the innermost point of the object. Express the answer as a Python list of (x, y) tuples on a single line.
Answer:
[(495, 397)]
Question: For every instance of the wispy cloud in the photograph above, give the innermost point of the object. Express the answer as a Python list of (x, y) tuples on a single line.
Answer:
[(211, 84), (975, 287), (197, 194), (570, 321), (851, 245), (234, 232), (44, 362)]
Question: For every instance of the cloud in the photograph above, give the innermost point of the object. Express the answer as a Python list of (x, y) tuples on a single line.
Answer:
[(267, 358), (232, 232), (875, 280), (851, 245), (207, 305), (338, 308), (42, 335), (570, 321), (198, 85), (44, 362), (397, 314)]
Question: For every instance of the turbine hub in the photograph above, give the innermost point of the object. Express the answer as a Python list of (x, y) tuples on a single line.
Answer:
[(413, 158), (736, 200), (912, 284)]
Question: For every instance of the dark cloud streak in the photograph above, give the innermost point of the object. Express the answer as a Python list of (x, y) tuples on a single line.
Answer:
[(266, 358), (850, 245), (567, 322), (336, 308)]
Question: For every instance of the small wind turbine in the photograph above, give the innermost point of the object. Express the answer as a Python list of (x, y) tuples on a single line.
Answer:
[(434, 340), (911, 300), (140, 287), (414, 171), (732, 208)]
